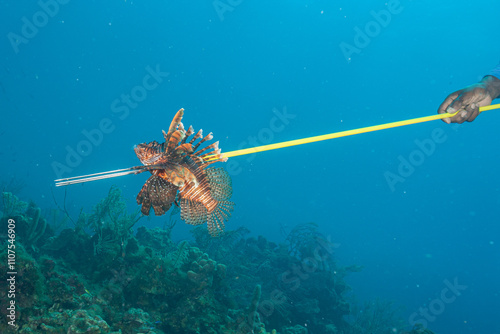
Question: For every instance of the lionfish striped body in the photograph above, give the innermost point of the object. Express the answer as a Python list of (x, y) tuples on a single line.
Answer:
[(181, 173)]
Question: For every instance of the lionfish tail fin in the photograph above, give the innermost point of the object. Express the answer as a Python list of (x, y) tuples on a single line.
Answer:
[(217, 216)]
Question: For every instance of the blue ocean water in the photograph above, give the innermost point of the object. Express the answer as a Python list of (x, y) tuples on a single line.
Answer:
[(255, 72)]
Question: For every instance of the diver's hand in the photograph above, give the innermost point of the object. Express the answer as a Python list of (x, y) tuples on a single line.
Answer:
[(468, 100)]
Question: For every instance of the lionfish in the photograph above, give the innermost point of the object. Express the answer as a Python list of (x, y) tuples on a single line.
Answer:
[(181, 175)]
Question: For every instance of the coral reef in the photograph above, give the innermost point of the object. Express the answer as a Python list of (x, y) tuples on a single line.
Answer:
[(297, 329), (377, 317), (102, 277), (11, 205), (67, 321), (300, 280), (31, 228), (30, 289), (418, 329)]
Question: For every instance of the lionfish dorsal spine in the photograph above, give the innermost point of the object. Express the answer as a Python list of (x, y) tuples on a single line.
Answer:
[(166, 136), (210, 136), (215, 153), (189, 132), (218, 158), (184, 148), (198, 134), (175, 123), (213, 146), (175, 139)]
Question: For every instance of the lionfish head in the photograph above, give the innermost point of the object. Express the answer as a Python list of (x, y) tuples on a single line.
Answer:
[(150, 153)]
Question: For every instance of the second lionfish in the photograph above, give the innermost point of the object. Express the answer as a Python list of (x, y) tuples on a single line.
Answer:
[(182, 173)]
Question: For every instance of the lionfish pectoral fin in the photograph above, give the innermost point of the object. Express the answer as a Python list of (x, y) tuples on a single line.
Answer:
[(144, 202), (192, 212), (216, 218), (157, 193), (220, 183)]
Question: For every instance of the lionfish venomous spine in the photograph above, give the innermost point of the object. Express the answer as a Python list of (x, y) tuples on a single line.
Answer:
[(181, 173)]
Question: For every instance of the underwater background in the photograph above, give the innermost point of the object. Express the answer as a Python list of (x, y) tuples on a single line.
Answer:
[(254, 73)]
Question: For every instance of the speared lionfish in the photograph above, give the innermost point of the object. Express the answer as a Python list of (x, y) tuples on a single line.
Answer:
[(181, 174)]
